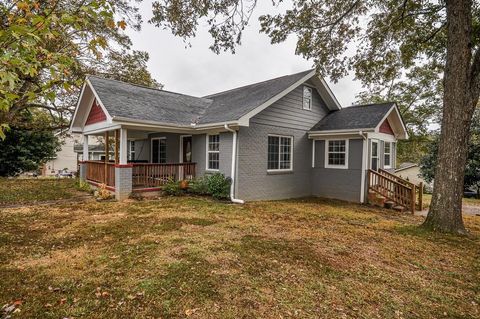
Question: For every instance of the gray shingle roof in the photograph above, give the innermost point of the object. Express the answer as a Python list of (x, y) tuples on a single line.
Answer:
[(233, 104), (354, 117), (141, 103)]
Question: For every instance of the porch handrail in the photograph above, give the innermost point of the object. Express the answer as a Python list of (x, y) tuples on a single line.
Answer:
[(401, 194), (151, 175), (418, 188), (96, 172), (395, 177)]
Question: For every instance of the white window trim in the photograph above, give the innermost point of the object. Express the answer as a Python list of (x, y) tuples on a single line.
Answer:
[(390, 153), (303, 97), (291, 154), (151, 146), (207, 151), (347, 142), (371, 153)]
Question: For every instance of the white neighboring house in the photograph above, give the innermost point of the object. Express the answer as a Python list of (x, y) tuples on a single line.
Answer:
[(411, 172), (65, 159)]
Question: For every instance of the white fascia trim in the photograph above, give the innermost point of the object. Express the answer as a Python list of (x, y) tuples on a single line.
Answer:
[(394, 107), (347, 142), (313, 134), (258, 109), (382, 136), (78, 104), (330, 92), (91, 129), (109, 118), (188, 128)]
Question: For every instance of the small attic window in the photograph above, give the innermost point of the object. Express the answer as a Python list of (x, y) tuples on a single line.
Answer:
[(307, 98)]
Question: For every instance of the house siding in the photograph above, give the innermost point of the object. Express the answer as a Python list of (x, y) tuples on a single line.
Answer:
[(200, 153), (344, 184), (254, 182), (288, 112), (284, 117)]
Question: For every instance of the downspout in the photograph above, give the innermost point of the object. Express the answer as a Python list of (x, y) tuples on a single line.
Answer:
[(234, 164), (364, 165)]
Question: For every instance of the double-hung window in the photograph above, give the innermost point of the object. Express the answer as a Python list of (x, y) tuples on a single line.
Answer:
[(307, 98), (280, 149), (159, 150), (387, 155), (336, 153), (213, 152)]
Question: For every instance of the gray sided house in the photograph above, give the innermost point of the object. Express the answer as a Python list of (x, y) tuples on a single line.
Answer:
[(282, 138)]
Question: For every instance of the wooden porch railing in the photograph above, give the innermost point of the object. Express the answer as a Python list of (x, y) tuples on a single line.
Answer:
[(155, 175), (96, 172), (396, 189)]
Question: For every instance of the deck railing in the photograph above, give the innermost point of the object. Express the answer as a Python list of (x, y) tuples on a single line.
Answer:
[(98, 170), (394, 188), (155, 175)]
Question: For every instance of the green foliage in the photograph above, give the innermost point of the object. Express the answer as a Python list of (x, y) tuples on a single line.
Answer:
[(172, 188), (47, 47), (26, 150), (218, 185), (83, 186), (198, 186)]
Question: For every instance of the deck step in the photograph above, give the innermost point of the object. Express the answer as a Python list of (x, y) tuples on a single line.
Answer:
[(399, 208)]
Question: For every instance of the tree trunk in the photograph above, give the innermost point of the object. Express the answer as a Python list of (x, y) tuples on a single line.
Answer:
[(445, 212)]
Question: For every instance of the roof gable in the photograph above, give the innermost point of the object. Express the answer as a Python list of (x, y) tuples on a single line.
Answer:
[(96, 114), (382, 117), (386, 128)]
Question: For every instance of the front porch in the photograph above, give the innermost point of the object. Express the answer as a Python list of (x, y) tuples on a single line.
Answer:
[(137, 161)]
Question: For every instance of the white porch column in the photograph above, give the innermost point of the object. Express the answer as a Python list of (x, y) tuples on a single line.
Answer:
[(123, 170), (123, 146), (82, 166), (85, 148)]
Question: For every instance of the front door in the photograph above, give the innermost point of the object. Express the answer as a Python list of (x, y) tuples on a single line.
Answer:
[(186, 154), (374, 156)]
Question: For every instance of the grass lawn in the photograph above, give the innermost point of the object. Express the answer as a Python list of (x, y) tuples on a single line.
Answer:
[(196, 258), (18, 191)]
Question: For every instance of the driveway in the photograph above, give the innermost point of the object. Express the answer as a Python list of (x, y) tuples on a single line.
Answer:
[(471, 210)]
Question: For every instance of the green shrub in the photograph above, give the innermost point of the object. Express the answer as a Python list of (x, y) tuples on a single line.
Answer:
[(83, 186), (198, 186), (172, 188), (218, 185)]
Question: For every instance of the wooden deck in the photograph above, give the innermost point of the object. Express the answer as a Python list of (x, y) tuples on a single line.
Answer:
[(144, 175), (401, 192)]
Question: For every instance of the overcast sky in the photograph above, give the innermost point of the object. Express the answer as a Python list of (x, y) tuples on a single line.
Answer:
[(198, 71)]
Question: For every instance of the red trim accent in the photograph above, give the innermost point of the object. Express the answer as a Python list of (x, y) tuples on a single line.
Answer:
[(110, 188), (96, 114), (386, 128), (123, 165), (151, 189)]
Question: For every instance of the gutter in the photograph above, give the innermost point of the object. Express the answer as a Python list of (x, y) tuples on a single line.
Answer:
[(364, 165), (234, 159)]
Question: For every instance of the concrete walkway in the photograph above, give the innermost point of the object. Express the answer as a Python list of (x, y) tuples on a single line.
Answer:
[(471, 210)]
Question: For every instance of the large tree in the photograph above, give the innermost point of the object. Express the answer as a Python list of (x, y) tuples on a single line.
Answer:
[(387, 37), (48, 46), (472, 168)]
